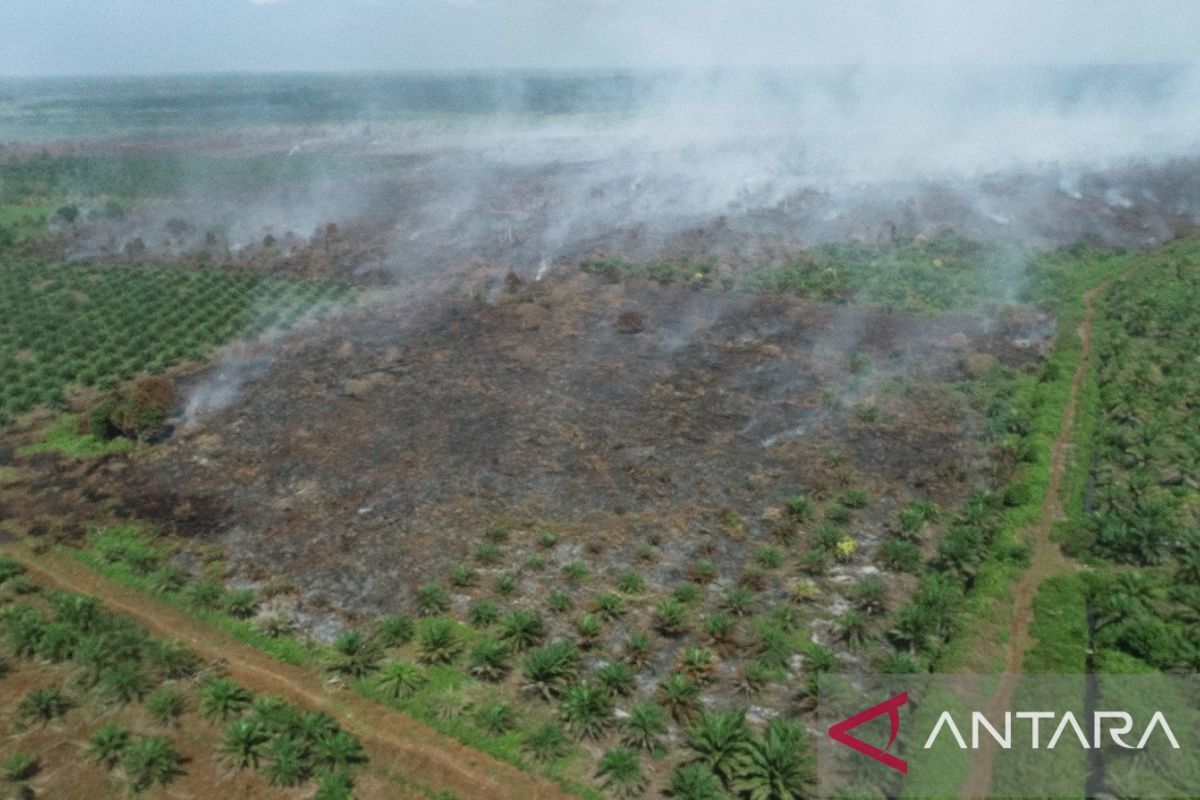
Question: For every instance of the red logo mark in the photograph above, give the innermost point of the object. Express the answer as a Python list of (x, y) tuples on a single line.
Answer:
[(891, 707)]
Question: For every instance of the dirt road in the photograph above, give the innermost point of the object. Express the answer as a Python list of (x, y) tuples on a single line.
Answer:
[(397, 743), (1046, 561)]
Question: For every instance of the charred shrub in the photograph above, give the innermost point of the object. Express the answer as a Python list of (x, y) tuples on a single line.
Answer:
[(134, 412)]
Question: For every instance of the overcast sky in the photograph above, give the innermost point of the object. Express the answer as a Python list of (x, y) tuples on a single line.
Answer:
[(57, 37)]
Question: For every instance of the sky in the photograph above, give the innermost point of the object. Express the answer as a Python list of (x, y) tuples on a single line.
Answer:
[(105, 37)]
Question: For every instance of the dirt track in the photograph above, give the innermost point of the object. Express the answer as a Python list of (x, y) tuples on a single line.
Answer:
[(393, 741), (1047, 559)]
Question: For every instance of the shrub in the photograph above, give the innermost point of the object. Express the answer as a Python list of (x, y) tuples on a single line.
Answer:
[(495, 718), (546, 743), (697, 663), (576, 572), (10, 568), (19, 766), (483, 613), (393, 631), (522, 629), (679, 696), (241, 604), (838, 514), (242, 743), (221, 699), (901, 555), (123, 683), (620, 772), (355, 654), (286, 765), (560, 602), (432, 600), (335, 785), (505, 584), (610, 607), (172, 658), (770, 558), (631, 582), (686, 593), (489, 660), (336, 750), (776, 764), (739, 601), (589, 627), (438, 641), (644, 727), (717, 739), (585, 710), (616, 678), (638, 648), (205, 595), (151, 762), (694, 782), (165, 706), (107, 744), (400, 679), (548, 670), (488, 554), (703, 571), (671, 617)]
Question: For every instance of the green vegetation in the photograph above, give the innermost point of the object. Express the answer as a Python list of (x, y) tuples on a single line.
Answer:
[(76, 324), (945, 273), (115, 663), (1132, 499)]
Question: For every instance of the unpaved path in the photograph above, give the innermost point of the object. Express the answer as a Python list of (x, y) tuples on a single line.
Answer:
[(1046, 561), (393, 741)]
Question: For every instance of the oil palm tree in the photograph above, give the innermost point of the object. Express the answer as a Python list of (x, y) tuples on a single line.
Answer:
[(620, 773), (489, 660), (548, 670), (644, 727), (221, 699), (107, 744), (616, 678), (151, 762), (679, 696), (694, 782), (438, 641), (242, 743), (400, 679), (717, 739), (522, 630), (546, 743), (774, 766), (585, 710)]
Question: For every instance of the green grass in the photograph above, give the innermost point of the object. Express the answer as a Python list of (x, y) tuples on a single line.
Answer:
[(62, 436), (68, 324), (1059, 629), (21, 222), (943, 274)]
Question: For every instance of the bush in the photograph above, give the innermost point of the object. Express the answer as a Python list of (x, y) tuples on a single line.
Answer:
[(19, 766), (151, 762), (165, 706)]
